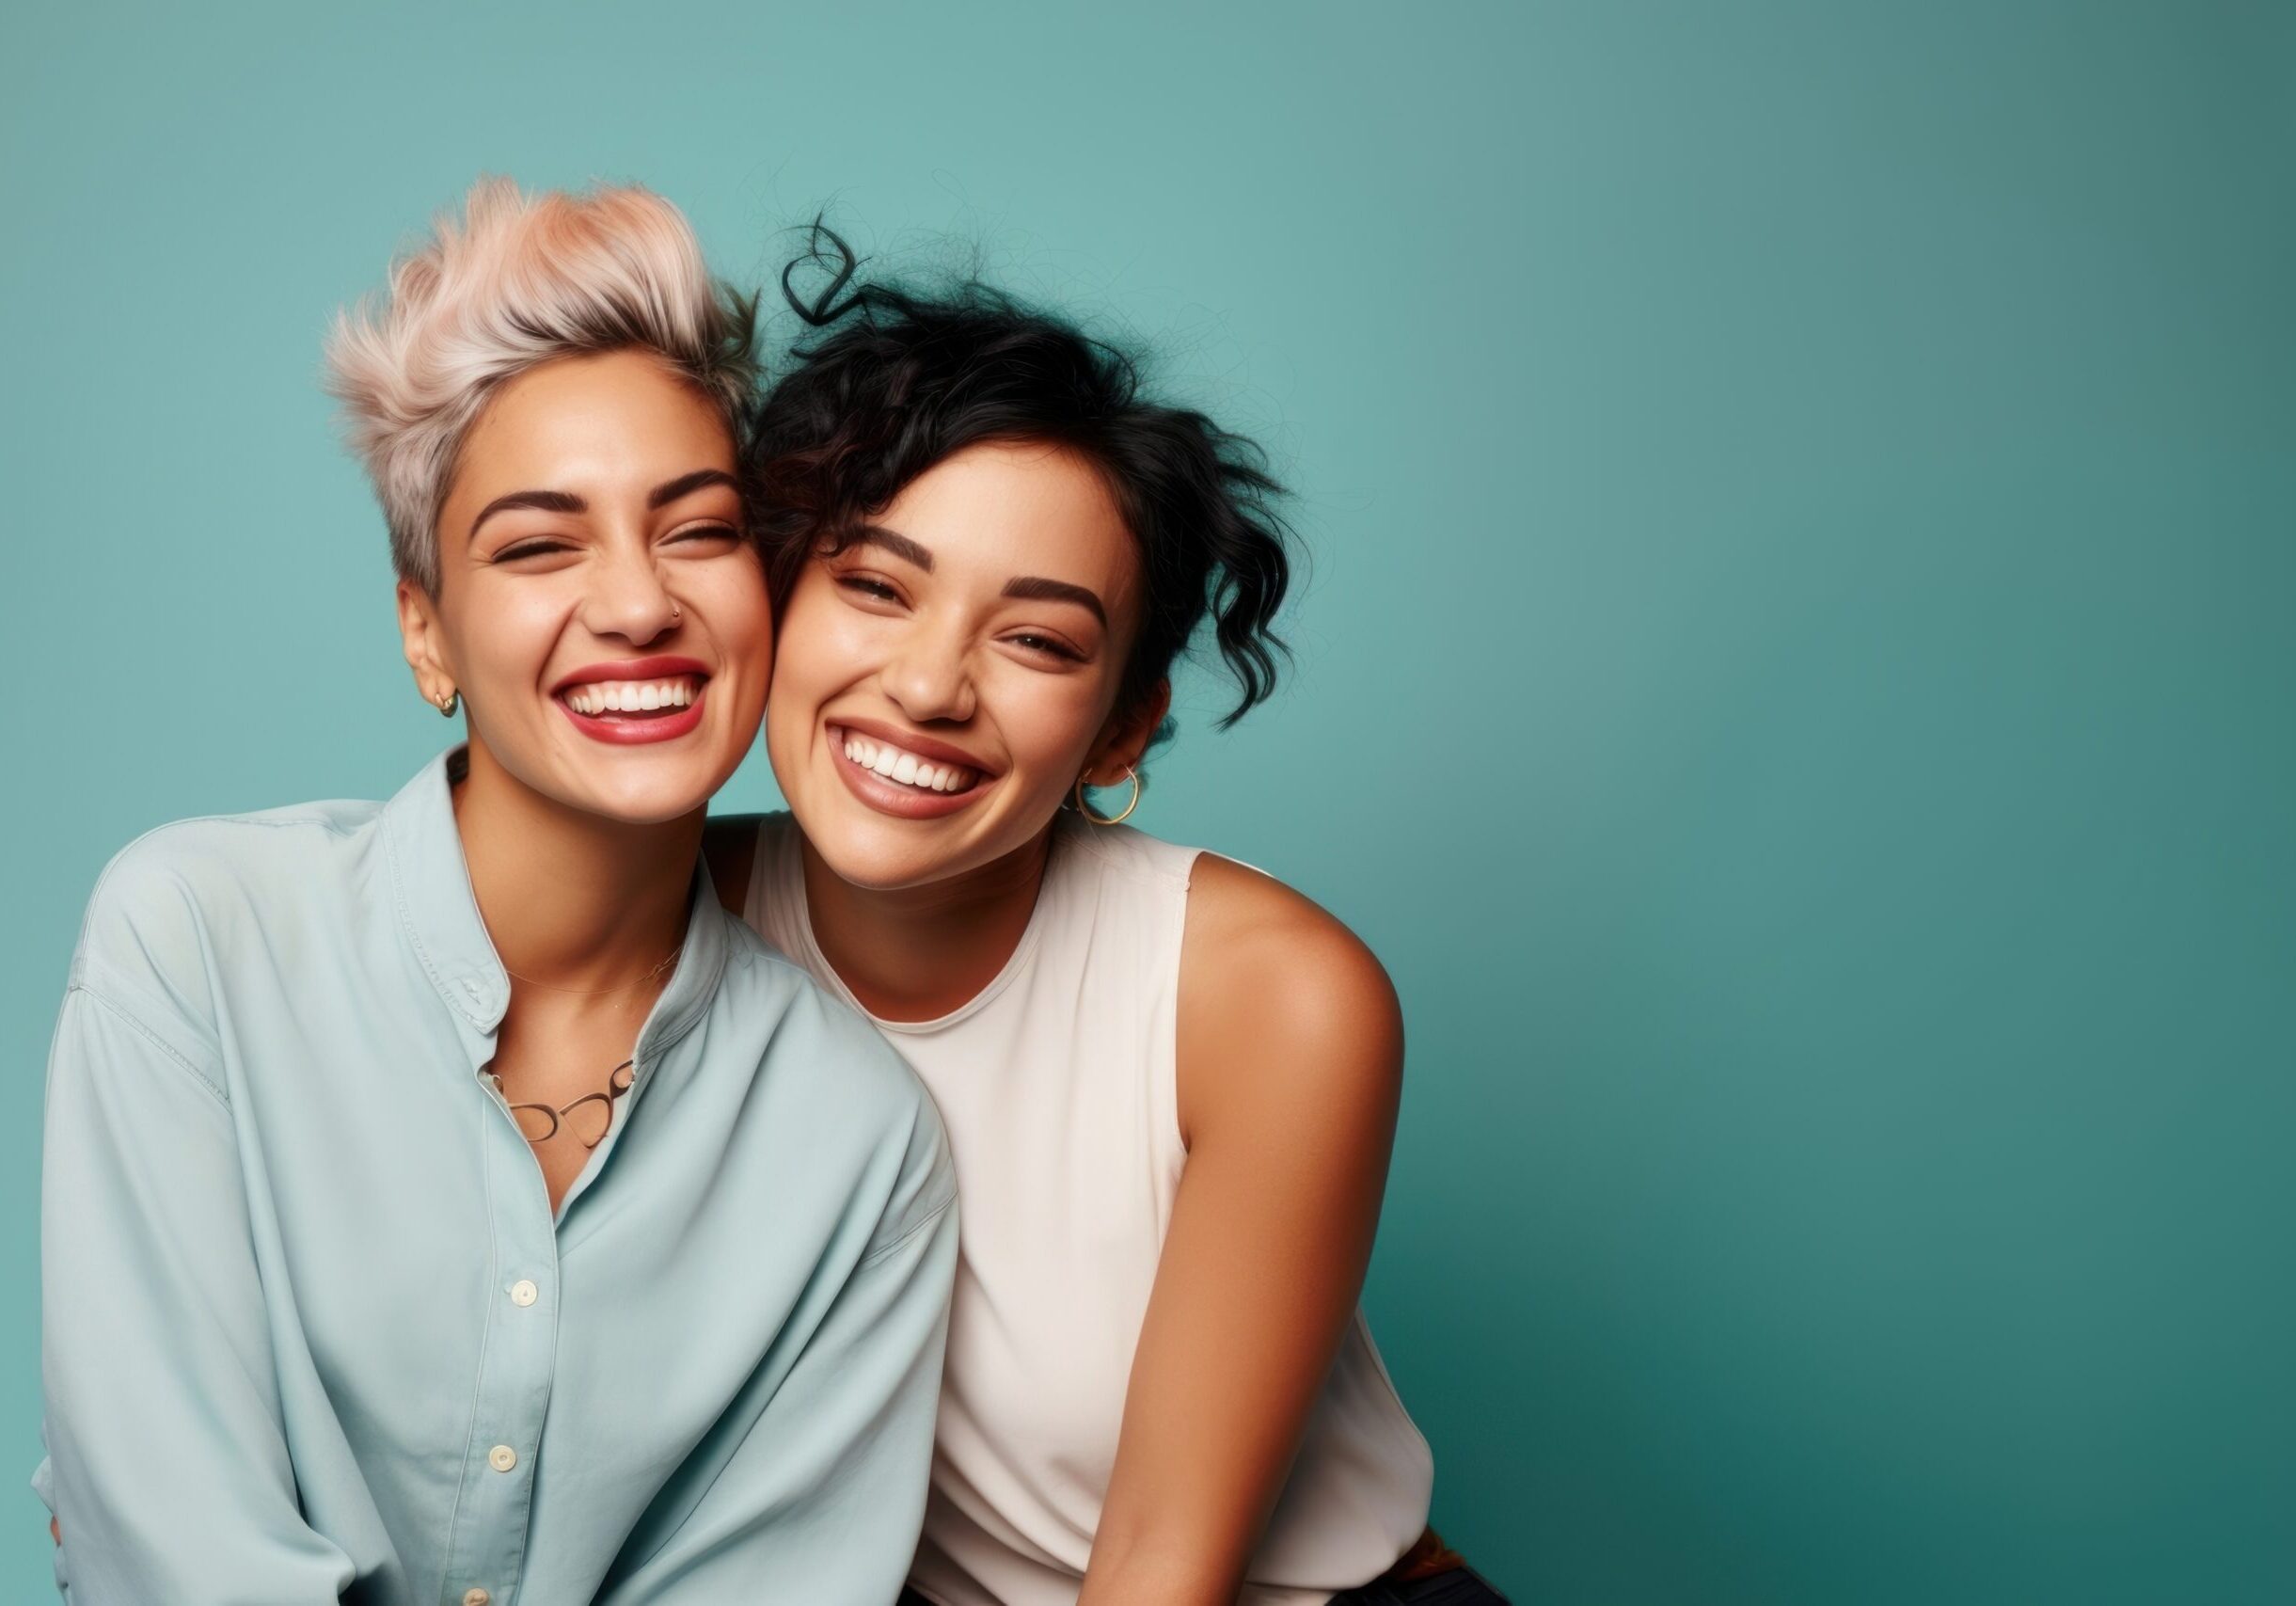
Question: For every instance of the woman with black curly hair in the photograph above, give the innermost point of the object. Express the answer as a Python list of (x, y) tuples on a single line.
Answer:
[(1170, 1082)]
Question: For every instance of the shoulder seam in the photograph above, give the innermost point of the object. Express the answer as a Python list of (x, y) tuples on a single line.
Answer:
[(262, 819), (1137, 865), (119, 1014), (112, 866)]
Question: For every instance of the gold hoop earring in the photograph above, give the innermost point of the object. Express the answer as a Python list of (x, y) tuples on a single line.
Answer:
[(1085, 809), (447, 704)]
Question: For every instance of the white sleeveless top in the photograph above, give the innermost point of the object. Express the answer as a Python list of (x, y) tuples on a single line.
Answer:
[(1055, 1083)]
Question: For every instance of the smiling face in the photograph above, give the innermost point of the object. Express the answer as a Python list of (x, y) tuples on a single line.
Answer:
[(599, 608), (941, 683)]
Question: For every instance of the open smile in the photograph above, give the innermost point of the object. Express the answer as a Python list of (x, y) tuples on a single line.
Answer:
[(641, 700), (924, 780)]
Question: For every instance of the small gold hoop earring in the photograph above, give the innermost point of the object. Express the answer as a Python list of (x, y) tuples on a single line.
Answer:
[(447, 704), (1085, 809)]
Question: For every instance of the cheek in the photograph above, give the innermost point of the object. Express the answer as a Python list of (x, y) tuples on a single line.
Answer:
[(821, 650), (739, 615), (1048, 720), (505, 635)]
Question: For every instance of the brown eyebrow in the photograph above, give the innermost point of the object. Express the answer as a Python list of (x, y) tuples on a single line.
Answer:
[(548, 502), (685, 485), (1028, 588), (566, 502), (897, 544), (1035, 588)]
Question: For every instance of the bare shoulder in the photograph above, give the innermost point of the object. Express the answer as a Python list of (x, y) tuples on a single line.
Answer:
[(1257, 933), (1278, 1000), (729, 848)]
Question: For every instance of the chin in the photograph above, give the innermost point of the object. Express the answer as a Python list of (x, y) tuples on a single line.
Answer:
[(648, 794), (642, 811), (873, 854), (879, 854)]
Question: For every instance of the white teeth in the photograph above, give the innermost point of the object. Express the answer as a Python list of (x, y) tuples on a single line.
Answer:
[(632, 696), (905, 768)]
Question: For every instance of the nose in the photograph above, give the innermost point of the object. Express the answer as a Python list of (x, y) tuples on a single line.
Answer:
[(929, 677), (626, 598)]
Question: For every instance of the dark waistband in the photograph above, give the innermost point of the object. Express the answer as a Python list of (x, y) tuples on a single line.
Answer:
[(1428, 1556)]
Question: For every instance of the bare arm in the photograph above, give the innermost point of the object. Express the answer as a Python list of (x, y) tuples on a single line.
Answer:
[(1291, 1066)]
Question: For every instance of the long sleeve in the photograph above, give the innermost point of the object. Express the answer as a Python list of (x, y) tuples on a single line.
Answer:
[(818, 1497), (168, 1466), (315, 1329)]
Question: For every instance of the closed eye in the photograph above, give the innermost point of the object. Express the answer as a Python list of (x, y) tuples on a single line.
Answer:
[(1046, 644), (532, 549), (868, 586)]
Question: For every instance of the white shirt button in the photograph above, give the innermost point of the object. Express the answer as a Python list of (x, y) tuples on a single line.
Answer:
[(524, 1293), (476, 1598), (501, 1457)]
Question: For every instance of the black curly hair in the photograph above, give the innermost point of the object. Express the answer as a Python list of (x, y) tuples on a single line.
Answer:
[(900, 380)]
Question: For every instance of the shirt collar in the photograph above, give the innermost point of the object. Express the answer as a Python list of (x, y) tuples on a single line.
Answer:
[(440, 913)]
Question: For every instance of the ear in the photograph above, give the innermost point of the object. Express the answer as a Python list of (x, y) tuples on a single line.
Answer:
[(424, 643), (1126, 737)]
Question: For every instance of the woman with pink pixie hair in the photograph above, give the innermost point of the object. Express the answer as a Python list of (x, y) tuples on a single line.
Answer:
[(445, 1199)]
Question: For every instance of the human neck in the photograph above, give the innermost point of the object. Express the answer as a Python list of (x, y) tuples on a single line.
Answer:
[(573, 901), (917, 953)]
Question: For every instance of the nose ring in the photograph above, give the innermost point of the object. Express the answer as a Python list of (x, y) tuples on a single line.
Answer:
[(675, 615)]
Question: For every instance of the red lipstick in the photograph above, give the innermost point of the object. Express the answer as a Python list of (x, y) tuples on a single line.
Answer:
[(632, 669), (629, 727)]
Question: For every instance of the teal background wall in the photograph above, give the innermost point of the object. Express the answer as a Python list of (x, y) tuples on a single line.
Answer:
[(1797, 679)]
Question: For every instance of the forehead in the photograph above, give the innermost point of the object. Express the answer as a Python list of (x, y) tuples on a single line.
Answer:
[(996, 510), (578, 421)]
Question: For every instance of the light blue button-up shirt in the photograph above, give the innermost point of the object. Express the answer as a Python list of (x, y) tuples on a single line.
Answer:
[(311, 1333)]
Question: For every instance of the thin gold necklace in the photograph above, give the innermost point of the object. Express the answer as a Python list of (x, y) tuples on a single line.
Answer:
[(667, 960), (539, 1124), (539, 1130)]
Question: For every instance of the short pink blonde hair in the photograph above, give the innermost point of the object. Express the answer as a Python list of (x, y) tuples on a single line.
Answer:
[(523, 279)]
